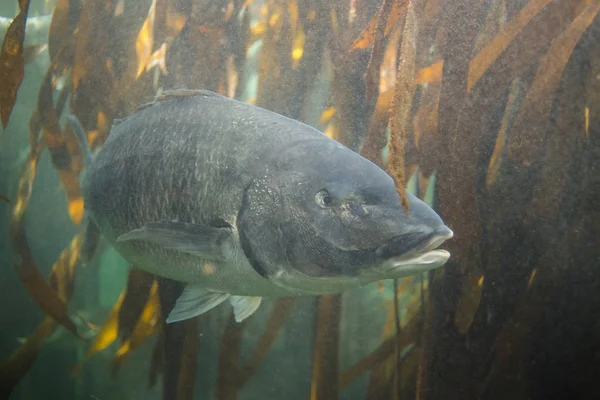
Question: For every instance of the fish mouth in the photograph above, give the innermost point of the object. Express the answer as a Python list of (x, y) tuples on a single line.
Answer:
[(424, 254)]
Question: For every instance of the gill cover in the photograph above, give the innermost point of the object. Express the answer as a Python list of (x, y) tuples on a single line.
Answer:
[(282, 247)]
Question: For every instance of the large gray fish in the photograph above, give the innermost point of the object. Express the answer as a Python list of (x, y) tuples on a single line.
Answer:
[(242, 203)]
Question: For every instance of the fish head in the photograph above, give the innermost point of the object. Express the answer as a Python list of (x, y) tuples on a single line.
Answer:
[(339, 218)]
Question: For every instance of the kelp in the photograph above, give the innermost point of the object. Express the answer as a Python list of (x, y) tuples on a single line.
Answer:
[(134, 318), (491, 257), (532, 120), (380, 26), (19, 362), (233, 374), (12, 62), (61, 283), (373, 68), (147, 325), (276, 321), (324, 383), (108, 333), (402, 102), (492, 102), (62, 147), (137, 292), (30, 276), (179, 344)]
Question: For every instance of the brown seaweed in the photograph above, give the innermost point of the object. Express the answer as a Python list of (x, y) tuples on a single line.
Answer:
[(19, 362), (481, 94), (274, 325), (137, 292), (109, 332), (370, 36), (324, 384), (531, 123), (61, 283), (12, 62), (30, 276), (373, 68), (148, 324), (402, 102)]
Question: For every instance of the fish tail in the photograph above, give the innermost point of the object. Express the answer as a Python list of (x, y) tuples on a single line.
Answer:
[(82, 139)]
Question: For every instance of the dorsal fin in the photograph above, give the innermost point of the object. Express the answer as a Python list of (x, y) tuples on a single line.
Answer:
[(175, 94)]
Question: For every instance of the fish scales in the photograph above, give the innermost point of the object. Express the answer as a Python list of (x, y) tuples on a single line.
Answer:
[(196, 172), (201, 167)]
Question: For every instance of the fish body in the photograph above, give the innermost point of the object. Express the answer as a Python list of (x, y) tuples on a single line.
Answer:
[(243, 203)]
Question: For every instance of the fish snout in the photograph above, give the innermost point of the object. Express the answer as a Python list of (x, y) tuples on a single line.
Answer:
[(422, 214), (422, 232)]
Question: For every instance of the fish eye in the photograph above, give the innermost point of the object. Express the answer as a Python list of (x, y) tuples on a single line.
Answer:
[(324, 199)]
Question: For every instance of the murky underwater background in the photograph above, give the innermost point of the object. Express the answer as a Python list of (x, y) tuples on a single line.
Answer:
[(492, 109)]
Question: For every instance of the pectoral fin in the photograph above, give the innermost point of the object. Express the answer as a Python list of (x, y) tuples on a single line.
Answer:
[(244, 306), (195, 300), (190, 238)]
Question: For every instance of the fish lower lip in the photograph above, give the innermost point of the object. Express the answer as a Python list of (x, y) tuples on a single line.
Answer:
[(424, 257), (421, 261)]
